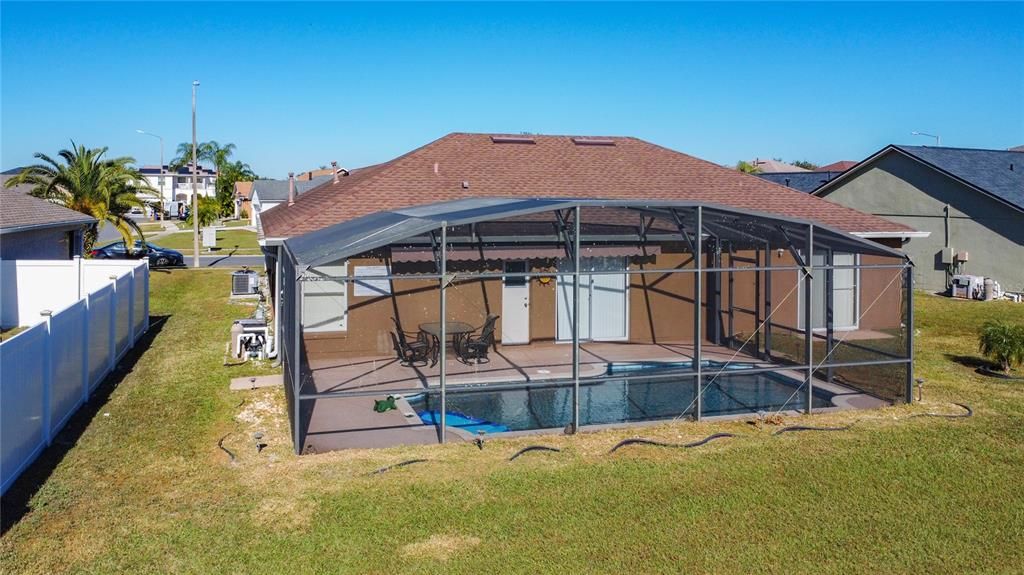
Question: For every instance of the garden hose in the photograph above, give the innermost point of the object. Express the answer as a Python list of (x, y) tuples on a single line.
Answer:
[(810, 428), (396, 466), (534, 448), (642, 441), (969, 413), (220, 444)]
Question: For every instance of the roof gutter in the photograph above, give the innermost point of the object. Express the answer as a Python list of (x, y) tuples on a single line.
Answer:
[(43, 226), (888, 235)]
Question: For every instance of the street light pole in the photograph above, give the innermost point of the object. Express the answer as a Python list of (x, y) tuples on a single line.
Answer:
[(938, 140), (161, 176), (195, 183)]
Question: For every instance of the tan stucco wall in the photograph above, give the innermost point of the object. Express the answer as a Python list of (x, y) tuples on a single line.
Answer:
[(660, 304)]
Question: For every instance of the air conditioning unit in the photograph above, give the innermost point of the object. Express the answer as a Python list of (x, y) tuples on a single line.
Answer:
[(968, 287), (244, 282)]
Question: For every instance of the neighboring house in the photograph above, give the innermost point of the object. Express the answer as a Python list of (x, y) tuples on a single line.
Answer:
[(968, 200), (266, 194), (803, 181), (35, 229), (840, 166), (243, 197), (176, 186), (775, 166)]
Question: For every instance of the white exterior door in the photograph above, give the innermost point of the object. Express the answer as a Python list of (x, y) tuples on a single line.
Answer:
[(515, 305), (844, 294), (603, 301), (325, 303)]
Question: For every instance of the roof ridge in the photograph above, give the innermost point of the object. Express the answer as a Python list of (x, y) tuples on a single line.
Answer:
[(962, 149)]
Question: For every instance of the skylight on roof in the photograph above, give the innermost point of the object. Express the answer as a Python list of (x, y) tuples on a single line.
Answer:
[(513, 140), (593, 142)]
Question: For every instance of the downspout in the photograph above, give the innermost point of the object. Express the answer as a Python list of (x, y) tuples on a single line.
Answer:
[(277, 307)]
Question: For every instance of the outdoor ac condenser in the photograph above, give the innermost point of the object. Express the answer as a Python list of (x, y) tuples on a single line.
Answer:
[(244, 282)]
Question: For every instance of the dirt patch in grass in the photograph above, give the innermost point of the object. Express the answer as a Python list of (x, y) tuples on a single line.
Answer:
[(439, 547)]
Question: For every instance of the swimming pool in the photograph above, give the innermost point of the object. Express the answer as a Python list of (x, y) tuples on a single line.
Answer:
[(620, 400)]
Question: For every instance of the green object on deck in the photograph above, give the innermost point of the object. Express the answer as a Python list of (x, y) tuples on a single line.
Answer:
[(382, 405)]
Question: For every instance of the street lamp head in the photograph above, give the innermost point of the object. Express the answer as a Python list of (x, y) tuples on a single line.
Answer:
[(141, 131), (195, 82)]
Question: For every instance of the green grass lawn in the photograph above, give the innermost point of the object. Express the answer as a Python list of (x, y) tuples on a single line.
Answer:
[(227, 240), (149, 227), (145, 488)]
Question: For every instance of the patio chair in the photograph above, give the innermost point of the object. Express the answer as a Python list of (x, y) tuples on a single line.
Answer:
[(410, 353), (473, 348), (411, 348)]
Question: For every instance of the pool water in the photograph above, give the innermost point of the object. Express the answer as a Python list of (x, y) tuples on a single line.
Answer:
[(618, 401)]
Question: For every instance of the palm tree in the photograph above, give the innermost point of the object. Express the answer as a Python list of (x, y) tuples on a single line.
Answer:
[(106, 189)]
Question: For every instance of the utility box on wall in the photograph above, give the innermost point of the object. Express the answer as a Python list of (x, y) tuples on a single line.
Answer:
[(947, 255)]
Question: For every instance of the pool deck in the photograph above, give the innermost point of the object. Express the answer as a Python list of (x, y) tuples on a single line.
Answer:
[(350, 422)]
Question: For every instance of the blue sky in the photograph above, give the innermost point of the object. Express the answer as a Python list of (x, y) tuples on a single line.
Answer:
[(298, 85)]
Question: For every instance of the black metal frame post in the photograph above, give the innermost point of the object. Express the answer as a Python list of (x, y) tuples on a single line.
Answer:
[(443, 352), (808, 318), (697, 313), (296, 358), (829, 311), (910, 332), (576, 321), (768, 301)]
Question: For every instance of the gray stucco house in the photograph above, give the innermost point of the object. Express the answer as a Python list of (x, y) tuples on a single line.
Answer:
[(35, 229), (969, 200)]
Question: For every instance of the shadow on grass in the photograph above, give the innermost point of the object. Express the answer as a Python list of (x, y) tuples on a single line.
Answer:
[(15, 504), (971, 361)]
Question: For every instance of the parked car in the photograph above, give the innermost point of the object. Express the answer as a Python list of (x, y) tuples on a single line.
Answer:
[(158, 257)]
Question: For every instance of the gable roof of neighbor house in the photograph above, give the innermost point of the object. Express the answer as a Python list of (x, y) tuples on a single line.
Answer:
[(840, 166), (20, 211), (460, 166), (1017, 149), (803, 181), (775, 166), (243, 190), (997, 173), (277, 190)]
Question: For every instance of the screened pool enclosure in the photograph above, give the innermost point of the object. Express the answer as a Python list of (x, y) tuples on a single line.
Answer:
[(508, 315)]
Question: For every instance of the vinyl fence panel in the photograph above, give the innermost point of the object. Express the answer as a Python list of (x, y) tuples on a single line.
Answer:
[(69, 371), (49, 370), (21, 411), (123, 306), (100, 321)]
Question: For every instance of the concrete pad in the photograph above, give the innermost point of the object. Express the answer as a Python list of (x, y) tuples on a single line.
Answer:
[(254, 382)]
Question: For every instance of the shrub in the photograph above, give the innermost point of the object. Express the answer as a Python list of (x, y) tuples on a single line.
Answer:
[(1003, 342)]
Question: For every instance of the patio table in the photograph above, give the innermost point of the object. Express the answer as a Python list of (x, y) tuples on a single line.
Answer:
[(453, 329)]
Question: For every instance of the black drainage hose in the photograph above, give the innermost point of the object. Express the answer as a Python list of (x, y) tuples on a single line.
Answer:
[(969, 413), (810, 428), (534, 448), (396, 466), (220, 444), (642, 441)]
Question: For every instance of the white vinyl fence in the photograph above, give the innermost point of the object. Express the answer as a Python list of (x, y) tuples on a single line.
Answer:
[(48, 371)]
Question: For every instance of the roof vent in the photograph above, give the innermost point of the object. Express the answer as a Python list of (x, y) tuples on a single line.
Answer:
[(593, 142), (513, 140), (465, 184)]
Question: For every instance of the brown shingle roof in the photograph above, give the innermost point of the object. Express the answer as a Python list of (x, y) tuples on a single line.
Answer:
[(551, 167), (243, 189), (20, 210), (840, 166)]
